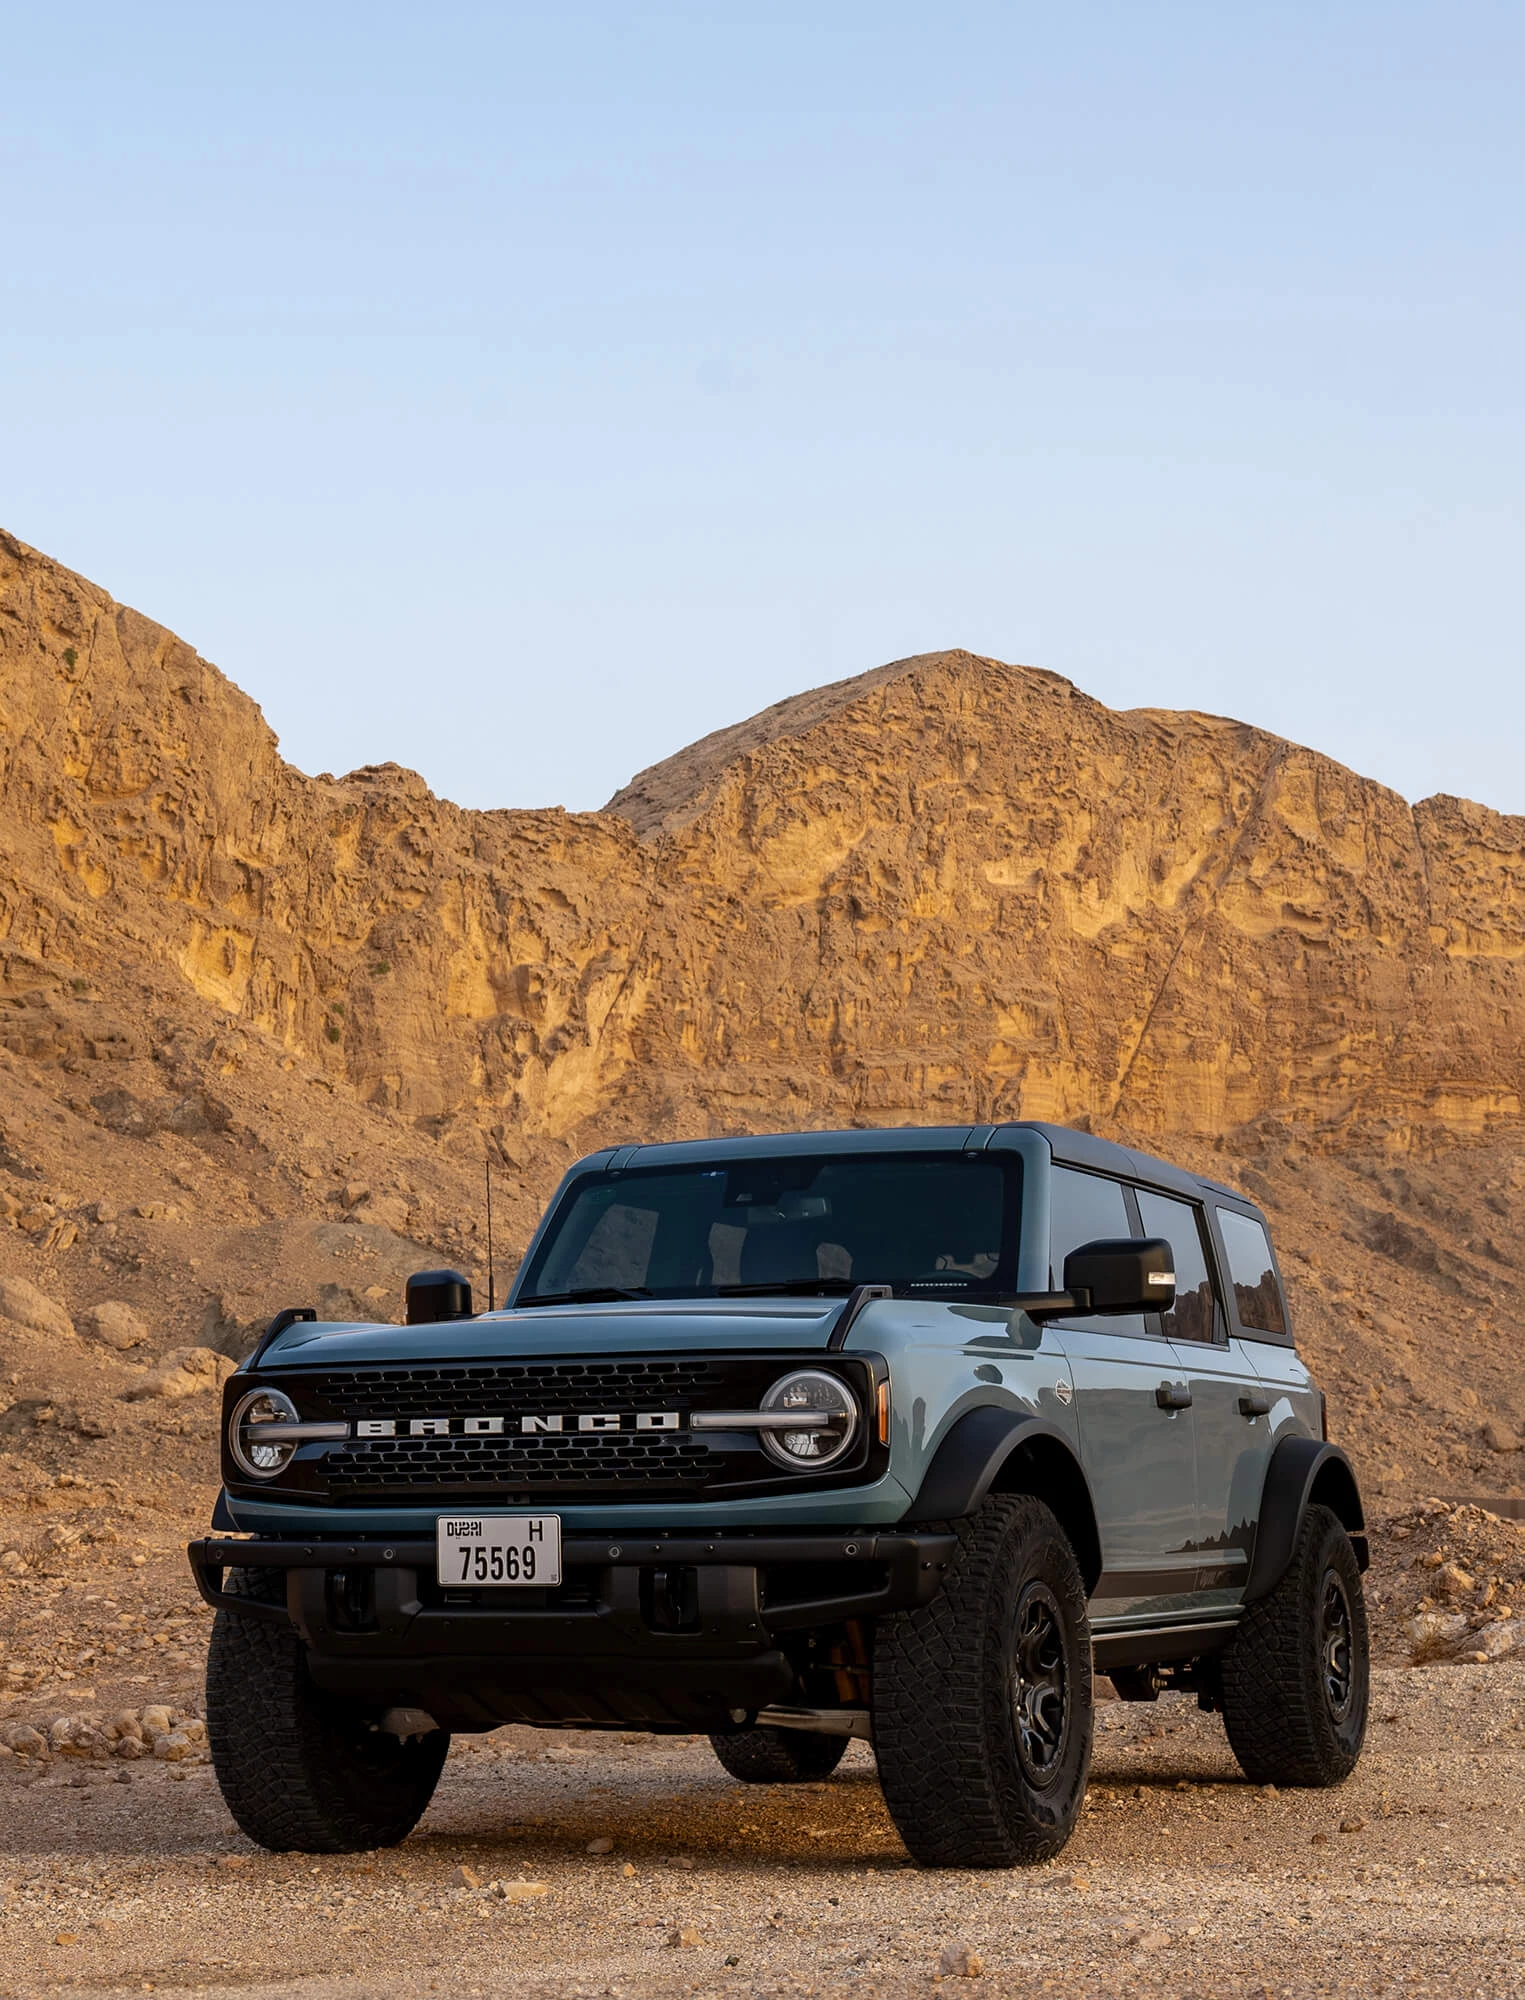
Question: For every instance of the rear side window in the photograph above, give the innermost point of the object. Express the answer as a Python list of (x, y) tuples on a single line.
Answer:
[(1191, 1317), (1257, 1295), (1084, 1208)]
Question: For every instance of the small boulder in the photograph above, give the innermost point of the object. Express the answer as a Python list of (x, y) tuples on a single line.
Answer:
[(21, 1301), (1499, 1437), (186, 1372), (114, 1324), (521, 1892), (960, 1961), (1435, 1635), (1492, 1642)]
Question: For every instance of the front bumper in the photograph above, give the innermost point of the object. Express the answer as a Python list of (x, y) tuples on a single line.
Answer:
[(656, 1631)]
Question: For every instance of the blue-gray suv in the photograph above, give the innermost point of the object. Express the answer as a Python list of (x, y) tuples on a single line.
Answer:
[(903, 1435)]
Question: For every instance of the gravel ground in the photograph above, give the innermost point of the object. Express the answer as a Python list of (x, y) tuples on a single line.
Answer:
[(1182, 1879)]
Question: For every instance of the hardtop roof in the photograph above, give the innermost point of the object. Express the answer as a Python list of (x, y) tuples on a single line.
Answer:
[(1069, 1147)]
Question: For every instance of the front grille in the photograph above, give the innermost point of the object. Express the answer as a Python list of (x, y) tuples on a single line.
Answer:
[(473, 1389), (511, 1465), (522, 1464)]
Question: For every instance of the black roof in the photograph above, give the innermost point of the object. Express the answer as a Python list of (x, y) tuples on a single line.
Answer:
[(1073, 1148)]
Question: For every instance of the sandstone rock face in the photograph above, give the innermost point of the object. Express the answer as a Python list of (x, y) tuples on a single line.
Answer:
[(259, 1032), (950, 889)]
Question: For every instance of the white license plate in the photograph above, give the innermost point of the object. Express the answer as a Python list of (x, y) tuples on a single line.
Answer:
[(498, 1551)]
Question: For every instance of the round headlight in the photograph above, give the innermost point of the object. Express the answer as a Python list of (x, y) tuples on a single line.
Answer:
[(819, 1396), (260, 1406)]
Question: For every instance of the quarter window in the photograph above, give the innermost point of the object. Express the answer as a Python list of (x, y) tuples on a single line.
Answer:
[(1257, 1295), (1191, 1317)]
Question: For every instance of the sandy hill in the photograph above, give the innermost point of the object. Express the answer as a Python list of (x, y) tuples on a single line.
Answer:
[(259, 1031)]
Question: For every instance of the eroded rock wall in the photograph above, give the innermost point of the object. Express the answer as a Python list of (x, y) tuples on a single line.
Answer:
[(952, 888)]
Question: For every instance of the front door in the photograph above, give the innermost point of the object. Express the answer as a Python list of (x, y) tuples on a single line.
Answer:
[(1137, 1437)]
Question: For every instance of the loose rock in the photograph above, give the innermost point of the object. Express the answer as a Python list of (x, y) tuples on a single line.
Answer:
[(114, 1324), (21, 1301), (186, 1372)]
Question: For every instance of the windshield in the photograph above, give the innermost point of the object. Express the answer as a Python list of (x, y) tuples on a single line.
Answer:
[(926, 1224)]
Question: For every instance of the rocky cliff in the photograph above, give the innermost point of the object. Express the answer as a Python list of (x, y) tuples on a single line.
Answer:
[(241, 1007), (951, 888)]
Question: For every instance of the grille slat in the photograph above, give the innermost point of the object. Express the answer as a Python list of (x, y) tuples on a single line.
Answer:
[(523, 1464), (474, 1389)]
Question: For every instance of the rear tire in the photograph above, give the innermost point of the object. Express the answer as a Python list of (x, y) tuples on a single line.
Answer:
[(982, 1698), (1296, 1675), (297, 1768), (779, 1756)]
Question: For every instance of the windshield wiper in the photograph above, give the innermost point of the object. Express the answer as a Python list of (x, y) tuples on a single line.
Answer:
[(795, 1287), (589, 1295)]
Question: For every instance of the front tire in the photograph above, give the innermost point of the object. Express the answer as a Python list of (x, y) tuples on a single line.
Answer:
[(982, 1698), (779, 1756), (297, 1768), (1296, 1677)]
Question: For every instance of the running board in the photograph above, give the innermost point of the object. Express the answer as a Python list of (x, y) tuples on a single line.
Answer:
[(818, 1721), (1153, 1645)]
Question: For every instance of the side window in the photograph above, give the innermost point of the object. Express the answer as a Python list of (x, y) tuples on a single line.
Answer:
[(1191, 1317), (1082, 1208), (1257, 1296)]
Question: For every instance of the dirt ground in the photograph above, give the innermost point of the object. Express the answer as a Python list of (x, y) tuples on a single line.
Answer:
[(1182, 1878), (120, 1875)]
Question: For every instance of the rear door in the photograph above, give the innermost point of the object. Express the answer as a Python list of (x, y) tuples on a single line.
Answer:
[(1140, 1457), (1257, 1311), (1233, 1434)]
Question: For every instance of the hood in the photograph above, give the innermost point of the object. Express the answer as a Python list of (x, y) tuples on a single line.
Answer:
[(637, 1326)]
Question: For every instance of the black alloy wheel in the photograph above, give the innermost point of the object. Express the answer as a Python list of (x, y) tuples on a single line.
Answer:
[(1039, 1684), (1337, 1646)]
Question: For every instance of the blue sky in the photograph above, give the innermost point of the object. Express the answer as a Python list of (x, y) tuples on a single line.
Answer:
[(522, 394)]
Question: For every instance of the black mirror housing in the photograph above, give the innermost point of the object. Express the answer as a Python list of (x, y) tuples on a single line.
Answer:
[(437, 1295), (1122, 1274)]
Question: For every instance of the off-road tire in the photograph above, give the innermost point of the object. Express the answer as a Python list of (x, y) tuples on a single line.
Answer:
[(963, 1783), (1284, 1722), (296, 1767), (779, 1756)]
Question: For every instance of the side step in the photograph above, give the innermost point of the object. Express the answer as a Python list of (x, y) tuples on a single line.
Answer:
[(818, 1721)]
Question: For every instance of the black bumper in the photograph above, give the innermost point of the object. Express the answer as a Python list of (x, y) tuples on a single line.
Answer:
[(673, 1632)]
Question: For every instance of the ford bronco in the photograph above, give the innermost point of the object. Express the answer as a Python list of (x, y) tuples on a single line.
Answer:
[(902, 1435)]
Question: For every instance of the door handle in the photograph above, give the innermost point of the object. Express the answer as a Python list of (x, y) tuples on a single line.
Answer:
[(1173, 1396), (1255, 1404)]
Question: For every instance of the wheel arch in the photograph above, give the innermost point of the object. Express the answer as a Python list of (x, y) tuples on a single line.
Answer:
[(1304, 1472), (993, 1450)]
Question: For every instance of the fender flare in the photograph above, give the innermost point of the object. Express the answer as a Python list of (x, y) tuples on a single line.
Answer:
[(1303, 1471), (971, 1459)]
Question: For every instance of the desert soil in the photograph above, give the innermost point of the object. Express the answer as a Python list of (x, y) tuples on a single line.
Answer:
[(124, 1875), (1182, 1878)]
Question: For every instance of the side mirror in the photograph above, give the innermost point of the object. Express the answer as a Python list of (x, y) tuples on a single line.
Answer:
[(436, 1295), (1122, 1274)]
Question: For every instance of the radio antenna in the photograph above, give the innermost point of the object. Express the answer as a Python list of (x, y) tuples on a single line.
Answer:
[(491, 1300)]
